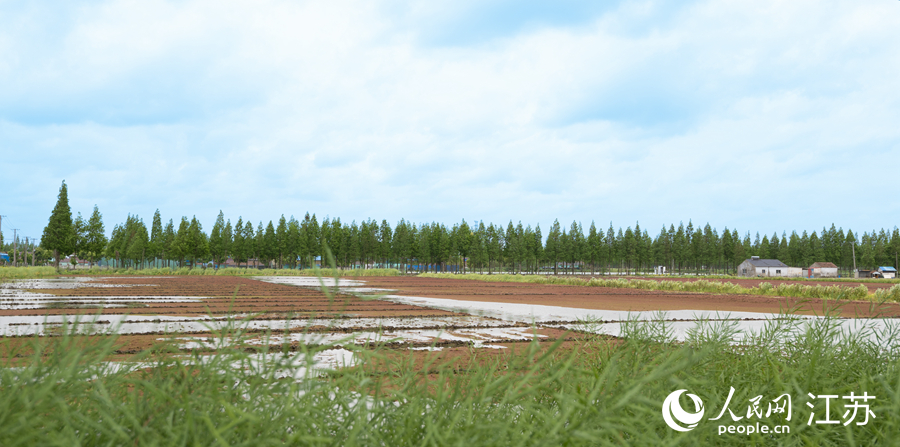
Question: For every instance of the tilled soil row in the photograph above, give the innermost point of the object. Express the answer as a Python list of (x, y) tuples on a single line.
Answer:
[(221, 287), (218, 295), (303, 330), (604, 298), (263, 300), (261, 317), (296, 347), (235, 307), (137, 343), (421, 312)]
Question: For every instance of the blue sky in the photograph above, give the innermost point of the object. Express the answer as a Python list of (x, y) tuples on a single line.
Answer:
[(761, 116)]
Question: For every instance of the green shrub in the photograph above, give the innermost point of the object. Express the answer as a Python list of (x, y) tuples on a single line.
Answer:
[(892, 294)]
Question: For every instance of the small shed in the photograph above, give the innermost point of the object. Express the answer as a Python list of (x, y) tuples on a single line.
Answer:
[(823, 270), (755, 267), (887, 272)]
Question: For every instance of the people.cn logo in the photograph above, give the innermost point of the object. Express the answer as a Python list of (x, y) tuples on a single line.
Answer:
[(674, 415)]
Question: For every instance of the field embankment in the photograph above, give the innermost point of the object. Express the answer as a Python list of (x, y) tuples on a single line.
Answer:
[(778, 289)]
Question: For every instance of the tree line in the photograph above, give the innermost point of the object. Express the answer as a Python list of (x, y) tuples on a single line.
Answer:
[(485, 247)]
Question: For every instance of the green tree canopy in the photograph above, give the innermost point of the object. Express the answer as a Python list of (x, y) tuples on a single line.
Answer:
[(217, 245), (155, 248), (59, 234), (95, 238)]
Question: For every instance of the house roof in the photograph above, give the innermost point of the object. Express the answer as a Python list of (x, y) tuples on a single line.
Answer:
[(823, 265), (887, 269), (766, 263)]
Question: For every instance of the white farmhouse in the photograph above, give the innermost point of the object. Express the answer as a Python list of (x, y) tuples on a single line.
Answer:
[(823, 270), (755, 267)]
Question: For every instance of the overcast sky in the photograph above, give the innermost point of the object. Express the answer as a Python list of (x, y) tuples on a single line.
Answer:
[(763, 116)]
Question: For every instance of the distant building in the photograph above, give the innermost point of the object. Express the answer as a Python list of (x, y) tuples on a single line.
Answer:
[(887, 272), (79, 263), (823, 270), (877, 273), (755, 267)]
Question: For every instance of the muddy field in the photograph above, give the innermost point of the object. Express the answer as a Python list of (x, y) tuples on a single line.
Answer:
[(189, 296), (602, 298), (188, 313), (441, 318)]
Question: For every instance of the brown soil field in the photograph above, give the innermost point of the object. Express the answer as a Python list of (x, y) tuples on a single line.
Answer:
[(603, 298), (219, 295), (755, 282), (131, 344)]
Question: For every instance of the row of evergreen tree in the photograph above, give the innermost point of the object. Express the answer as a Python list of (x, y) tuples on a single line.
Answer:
[(292, 243)]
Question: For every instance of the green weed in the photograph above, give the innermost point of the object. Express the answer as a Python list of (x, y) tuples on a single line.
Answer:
[(598, 392)]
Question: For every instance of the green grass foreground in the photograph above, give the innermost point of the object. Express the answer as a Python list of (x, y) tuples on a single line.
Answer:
[(596, 393), (51, 272), (841, 293)]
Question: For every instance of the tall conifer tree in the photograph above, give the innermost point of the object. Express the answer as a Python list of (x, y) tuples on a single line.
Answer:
[(59, 234), (96, 235), (157, 237)]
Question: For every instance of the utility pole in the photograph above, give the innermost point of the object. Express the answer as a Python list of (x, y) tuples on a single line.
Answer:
[(15, 248), (853, 248), (29, 243)]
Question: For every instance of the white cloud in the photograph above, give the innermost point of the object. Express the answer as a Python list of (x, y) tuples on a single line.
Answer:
[(726, 112)]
